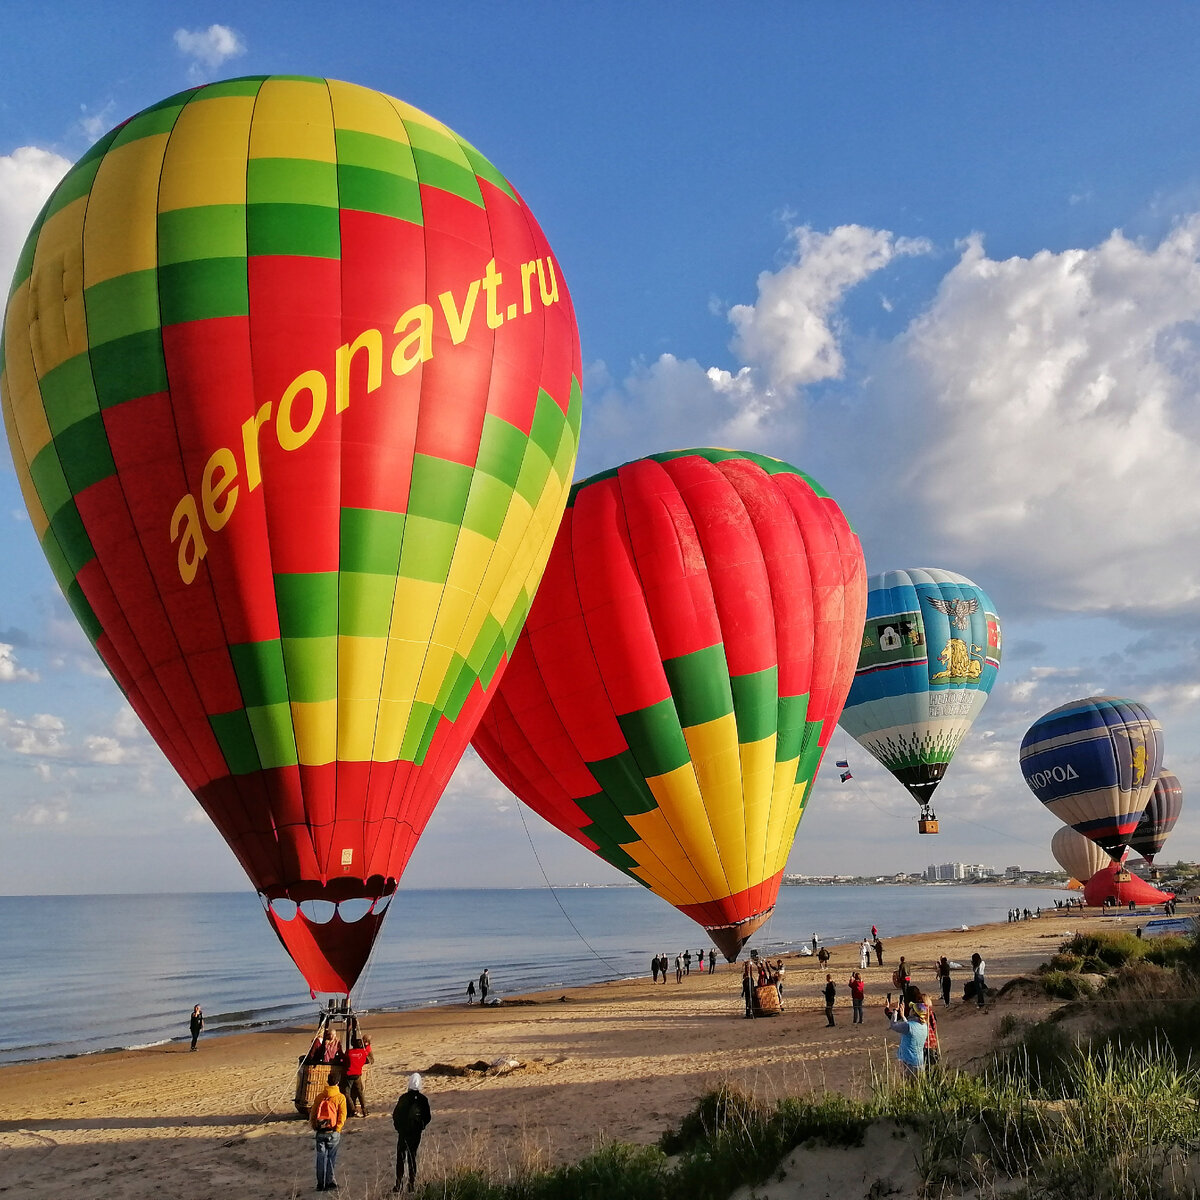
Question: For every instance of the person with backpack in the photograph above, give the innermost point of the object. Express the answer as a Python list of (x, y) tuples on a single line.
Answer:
[(409, 1117), (326, 1117)]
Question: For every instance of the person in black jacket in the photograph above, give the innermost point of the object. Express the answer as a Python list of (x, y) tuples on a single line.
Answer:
[(410, 1116), (830, 995), (196, 1024)]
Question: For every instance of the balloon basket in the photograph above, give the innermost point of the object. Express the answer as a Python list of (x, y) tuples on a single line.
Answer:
[(1122, 876), (311, 1080), (927, 825), (766, 1001)]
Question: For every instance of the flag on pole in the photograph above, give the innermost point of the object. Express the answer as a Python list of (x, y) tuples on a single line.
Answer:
[(841, 763), (846, 775)]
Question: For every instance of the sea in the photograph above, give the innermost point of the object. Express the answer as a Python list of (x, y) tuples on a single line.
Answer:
[(89, 974)]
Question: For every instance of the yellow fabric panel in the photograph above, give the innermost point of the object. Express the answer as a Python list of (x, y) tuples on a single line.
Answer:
[(416, 117), (433, 673), (55, 316), (793, 811), (389, 732), (365, 110), (508, 543), (758, 780), (24, 402), (360, 667), (205, 162), (120, 234), (28, 492), (452, 616), (685, 835), (457, 623), (781, 822), (547, 514), (679, 886), (402, 669), (315, 725), (414, 608), (292, 119), (356, 729), (717, 763)]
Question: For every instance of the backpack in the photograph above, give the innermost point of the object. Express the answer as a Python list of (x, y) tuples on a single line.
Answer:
[(326, 1115), (407, 1117)]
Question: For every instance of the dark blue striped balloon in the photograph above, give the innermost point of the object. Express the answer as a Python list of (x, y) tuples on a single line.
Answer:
[(1093, 763)]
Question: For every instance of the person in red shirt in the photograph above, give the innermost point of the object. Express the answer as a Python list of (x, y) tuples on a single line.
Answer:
[(353, 1062)]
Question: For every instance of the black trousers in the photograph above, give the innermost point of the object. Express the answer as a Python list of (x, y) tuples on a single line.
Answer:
[(407, 1146)]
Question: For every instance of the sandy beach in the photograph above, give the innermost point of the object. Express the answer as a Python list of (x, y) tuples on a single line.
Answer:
[(621, 1061)]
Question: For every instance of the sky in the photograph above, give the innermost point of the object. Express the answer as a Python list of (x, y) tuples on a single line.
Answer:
[(945, 258)]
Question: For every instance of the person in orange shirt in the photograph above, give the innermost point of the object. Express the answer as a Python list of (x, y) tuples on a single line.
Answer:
[(326, 1118)]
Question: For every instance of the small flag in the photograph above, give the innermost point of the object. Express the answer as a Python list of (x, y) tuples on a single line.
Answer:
[(842, 763), (846, 775)]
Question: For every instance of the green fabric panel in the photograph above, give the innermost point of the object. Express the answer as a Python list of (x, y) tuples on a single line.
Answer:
[(120, 306), (575, 407), (49, 480), (129, 367), (439, 489), (234, 736), (291, 181), (370, 541), (655, 738), (610, 850), (311, 667), (810, 751), (67, 527), (421, 716), (84, 613), (699, 685), (67, 393), (259, 670), (464, 679), (427, 550), (383, 154), (273, 735), (204, 288), (206, 231), (148, 123), (484, 169), (501, 450), (548, 422), (79, 179), (362, 189), (793, 711), (607, 821), (515, 621), (307, 604), (755, 704), (365, 604), (24, 266), (534, 472), (304, 230), (487, 505), (491, 663), (490, 633), (59, 567), (244, 85), (624, 785), (564, 456), (448, 176), (84, 453)]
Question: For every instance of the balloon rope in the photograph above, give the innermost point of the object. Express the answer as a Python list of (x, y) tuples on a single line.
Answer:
[(567, 915)]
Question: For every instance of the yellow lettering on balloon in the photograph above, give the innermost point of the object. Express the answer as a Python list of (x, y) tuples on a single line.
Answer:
[(185, 525), (313, 382), (220, 473), (250, 430), (370, 340), (491, 281), (551, 295), (416, 346), (527, 271), (459, 322)]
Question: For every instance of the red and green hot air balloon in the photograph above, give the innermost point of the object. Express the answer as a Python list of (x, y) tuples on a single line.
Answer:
[(682, 669), (291, 381)]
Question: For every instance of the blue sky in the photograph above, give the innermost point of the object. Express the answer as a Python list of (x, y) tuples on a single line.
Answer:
[(946, 258)]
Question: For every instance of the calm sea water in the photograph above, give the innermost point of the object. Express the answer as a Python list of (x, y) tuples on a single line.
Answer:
[(81, 974)]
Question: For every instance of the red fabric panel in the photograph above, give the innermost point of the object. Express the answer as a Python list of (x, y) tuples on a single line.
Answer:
[(330, 956), (739, 907), (1103, 886)]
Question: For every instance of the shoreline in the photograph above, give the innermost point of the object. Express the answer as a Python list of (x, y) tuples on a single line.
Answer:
[(618, 1060)]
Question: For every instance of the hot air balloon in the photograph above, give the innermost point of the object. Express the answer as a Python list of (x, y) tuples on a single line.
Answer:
[(1162, 811), (291, 381), (1079, 856), (1093, 764), (682, 669), (930, 653)]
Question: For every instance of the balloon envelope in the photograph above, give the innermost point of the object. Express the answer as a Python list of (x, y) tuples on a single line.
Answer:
[(681, 672), (1162, 811), (929, 656), (1093, 764), (291, 381), (1112, 883), (1079, 856)]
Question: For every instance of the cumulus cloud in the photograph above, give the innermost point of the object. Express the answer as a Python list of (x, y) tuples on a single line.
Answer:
[(10, 671), (43, 814), (42, 734), (208, 48), (104, 750), (27, 177)]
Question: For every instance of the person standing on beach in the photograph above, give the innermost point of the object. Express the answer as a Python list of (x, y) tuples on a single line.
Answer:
[(857, 991), (687, 962), (679, 968), (748, 987), (196, 1023), (409, 1118), (700, 960), (979, 975), (830, 995), (326, 1118), (485, 983), (878, 950), (943, 972), (913, 1034), (654, 967), (864, 955), (353, 1061), (470, 991), (712, 961)]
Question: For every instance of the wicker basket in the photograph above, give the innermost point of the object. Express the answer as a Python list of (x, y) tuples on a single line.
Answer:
[(766, 1000), (311, 1080)]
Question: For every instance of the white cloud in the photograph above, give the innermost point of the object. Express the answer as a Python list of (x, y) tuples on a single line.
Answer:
[(96, 123), (42, 814), (105, 750), (42, 734), (209, 48), (27, 177), (10, 672)]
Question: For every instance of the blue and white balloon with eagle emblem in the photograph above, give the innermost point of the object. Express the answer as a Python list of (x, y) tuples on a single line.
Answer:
[(929, 657)]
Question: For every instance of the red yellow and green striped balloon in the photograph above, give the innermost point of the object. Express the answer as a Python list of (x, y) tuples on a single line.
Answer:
[(684, 664), (291, 380)]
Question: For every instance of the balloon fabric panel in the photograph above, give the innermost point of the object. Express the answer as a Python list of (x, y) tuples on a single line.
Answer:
[(292, 385), (1158, 820), (682, 589)]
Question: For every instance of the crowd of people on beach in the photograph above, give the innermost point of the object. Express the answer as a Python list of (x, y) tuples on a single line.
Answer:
[(660, 964)]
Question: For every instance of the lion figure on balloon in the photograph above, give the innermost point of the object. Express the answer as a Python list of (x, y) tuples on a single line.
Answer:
[(960, 663)]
